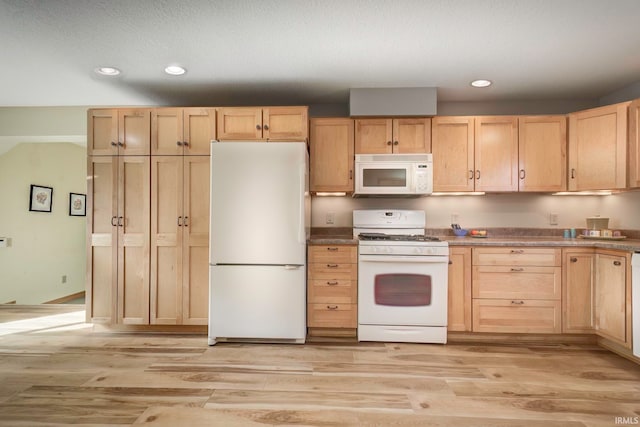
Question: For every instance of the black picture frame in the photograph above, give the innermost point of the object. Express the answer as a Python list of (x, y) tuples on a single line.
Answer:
[(40, 198), (77, 204)]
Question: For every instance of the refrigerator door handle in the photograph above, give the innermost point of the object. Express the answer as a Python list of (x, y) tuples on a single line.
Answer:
[(301, 232)]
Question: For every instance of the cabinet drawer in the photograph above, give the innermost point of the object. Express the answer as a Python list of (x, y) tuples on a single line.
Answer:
[(333, 254), (517, 282), (520, 316), (517, 256), (332, 315), (332, 291), (333, 270)]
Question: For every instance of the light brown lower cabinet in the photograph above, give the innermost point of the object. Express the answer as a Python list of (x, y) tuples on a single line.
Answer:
[(613, 296), (459, 295), (517, 315), (578, 272), (179, 240), (332, 299)]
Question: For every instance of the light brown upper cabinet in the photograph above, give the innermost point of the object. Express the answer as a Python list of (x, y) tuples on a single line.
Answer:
[(598, 148), (386, 136), (634, 144), (331, 154), (453, 153), (182, 131), (263, 124), (542, 153), (123, 132), (496, 153)]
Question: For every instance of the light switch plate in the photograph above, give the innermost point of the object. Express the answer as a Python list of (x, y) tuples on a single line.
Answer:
[(553, 219)]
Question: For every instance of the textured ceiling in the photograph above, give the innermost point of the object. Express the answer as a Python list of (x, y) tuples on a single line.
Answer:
[(311, 52)]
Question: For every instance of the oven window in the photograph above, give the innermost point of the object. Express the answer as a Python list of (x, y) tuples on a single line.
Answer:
[(384, 177), (402, 290)]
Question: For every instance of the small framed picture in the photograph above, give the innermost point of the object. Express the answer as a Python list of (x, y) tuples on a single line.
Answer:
[(40, 198), (77, 204)]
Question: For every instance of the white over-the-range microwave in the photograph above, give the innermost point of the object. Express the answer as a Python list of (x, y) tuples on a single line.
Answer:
[(394, 175)]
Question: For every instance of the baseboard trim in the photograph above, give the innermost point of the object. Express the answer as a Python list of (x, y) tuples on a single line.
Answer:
[(520, 339), (64, 299)]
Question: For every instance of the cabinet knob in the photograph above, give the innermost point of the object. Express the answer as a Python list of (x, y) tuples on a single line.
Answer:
[(518, 269), (477, 173), (186, 221), (617, 263), (470, 173), (332, 307), (121, 144), (388, 142), (351, 174), (517, 302), (573, 173), (522, 174), (334, 283), (332, 265), (114, 144), (120, 224), (573, 259), (450, 262), (395, 142), (517, 251), (180, 221), (179, 143), (265, 127), (258, 127), (113, 221), (185, 143), (332, 249)]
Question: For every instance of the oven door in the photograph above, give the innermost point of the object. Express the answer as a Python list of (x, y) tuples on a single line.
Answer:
[(402, 290)]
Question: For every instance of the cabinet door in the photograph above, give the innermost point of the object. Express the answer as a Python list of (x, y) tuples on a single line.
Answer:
[(453, 154), (102, 132), (578, 290), (598, 148), (634, 144), (412, 135), (332, 155), (166, 132), (195, 254), (542, 151), (102, 237), (611, 297), (496, 153), (285, 123), (134, 132), (199, 129), (166, 240), (459, 310), (133, 239), (373, 136), (239, 123)]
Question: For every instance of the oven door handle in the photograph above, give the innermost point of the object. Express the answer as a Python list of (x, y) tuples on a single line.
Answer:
[(431, 259)]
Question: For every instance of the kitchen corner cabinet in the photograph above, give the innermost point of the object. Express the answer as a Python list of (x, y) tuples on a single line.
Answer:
[(459, 310), (331, 154), (634, 144), (179, 240), (263, 124), (516, 290), (496, 153), (613, 296), (578, 287), (598, 148), (332, 286), (124, 132), (452, 140), (387, 136), (118, 239), (182, 131), (542, 153)]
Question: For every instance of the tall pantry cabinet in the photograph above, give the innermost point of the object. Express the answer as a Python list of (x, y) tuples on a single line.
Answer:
[(148, 215)]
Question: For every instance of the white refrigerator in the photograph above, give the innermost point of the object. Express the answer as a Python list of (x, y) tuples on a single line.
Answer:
[(260, 218)]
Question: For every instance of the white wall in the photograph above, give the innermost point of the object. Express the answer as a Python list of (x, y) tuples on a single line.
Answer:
[(493, 210), (44, 246)]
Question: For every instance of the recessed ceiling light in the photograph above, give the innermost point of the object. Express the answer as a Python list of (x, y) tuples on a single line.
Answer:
[(481, 83), (175, 70), (107, 71)]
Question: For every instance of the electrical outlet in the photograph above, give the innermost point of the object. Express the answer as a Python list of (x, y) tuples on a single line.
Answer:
[(455, 218), (330, 218), (64, 278), (553, 219)]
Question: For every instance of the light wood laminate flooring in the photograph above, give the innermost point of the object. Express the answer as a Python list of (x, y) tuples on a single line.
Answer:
[(58, 371)]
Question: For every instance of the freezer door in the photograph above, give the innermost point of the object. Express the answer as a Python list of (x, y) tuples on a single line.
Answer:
[(258, 203), (262, 302)]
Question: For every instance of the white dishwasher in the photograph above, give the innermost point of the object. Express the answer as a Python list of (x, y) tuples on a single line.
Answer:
[(635, 302)]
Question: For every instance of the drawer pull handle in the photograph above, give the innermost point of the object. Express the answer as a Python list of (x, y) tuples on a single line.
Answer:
[(517, 302), (332, 307), (517, 269), (332, 249), (332, 265), (332, 283), (517, 251), (573, 259), (617, 263)]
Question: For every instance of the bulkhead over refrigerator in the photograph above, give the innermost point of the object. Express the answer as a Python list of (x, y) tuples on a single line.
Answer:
[(260, 217)]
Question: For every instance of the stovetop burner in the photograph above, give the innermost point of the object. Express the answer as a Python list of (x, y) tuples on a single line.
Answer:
[(398, 237)]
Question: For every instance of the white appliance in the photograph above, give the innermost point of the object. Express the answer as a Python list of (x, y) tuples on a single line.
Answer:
[(394, 175), (402, 278), (635, 302), (260, 211)]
